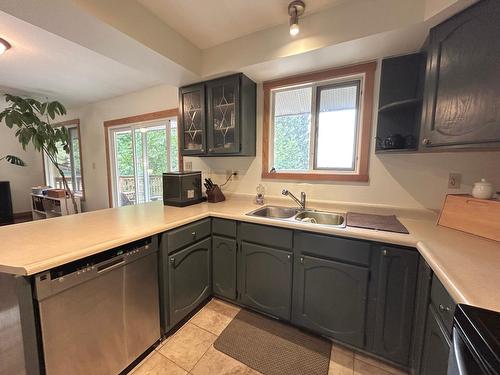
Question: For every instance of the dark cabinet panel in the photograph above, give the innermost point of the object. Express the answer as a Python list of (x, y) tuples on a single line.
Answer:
[(443, 303), (334, 248), (397, 279), (266, 235), (186, 235), (192, 119), (462, 88), (266, 279), (436, 347), (189, 279), (223, 125), (218, 117), (330, 298), (224, 266), (224, 227)]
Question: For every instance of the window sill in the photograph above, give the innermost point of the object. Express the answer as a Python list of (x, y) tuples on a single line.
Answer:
[(315, 176)]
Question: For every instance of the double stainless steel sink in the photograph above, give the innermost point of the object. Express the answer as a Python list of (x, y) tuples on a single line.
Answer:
[(297, 214)]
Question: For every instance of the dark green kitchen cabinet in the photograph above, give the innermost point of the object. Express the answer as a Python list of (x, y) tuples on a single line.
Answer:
[(188, 279), (224, 266), (436, 346), (192, 116), (396, 290), (462, 85), (330, 298), (218, 117), (265, 279)]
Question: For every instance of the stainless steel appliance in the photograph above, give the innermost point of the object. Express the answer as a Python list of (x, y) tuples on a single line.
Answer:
[(476, 342), (100, 313), (182, 188)]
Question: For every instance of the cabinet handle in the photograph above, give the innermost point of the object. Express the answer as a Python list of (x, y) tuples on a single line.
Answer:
[(426, 141), (385, 252), (172, 260), (301, 260), (444, 308), (193, 234)]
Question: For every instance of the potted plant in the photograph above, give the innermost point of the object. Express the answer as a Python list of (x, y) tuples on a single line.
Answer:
[(32, 121), (12, 159)]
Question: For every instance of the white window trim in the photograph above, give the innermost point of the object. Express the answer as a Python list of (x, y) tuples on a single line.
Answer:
[(313, 126), (111, 147)]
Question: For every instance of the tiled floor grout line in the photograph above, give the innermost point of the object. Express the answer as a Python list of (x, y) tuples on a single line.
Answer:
[(201, 357)]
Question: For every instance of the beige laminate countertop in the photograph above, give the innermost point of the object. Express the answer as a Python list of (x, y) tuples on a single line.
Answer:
[(468, 266)]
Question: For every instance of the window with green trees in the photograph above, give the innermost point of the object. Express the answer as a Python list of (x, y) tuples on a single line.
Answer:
[(140, 155), (315, 127)]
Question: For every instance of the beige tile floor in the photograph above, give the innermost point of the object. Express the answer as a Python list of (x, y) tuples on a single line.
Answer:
[(190, 351)]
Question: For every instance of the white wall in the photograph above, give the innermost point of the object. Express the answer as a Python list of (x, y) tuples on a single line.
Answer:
[(413, 180), (92, 117), (21, 178)]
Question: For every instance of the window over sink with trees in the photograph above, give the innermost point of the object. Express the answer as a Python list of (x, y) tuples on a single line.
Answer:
[(317, 126)]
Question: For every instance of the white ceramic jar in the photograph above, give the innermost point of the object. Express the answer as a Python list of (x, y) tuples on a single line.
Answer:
[(483, 189)]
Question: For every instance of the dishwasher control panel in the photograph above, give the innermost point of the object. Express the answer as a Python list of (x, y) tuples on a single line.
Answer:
[(65, 276)]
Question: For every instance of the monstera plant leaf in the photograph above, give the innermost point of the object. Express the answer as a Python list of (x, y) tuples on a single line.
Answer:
[(14, 160)]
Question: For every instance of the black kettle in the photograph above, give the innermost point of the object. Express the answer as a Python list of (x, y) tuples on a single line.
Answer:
[(394, 141)]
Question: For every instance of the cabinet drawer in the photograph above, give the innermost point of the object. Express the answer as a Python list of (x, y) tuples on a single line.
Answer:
[(443, 303), (266, 235), (224, 227), (188, 234), (333, 247)]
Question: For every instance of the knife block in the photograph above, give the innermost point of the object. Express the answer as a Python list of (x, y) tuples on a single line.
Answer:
[(215, 195)]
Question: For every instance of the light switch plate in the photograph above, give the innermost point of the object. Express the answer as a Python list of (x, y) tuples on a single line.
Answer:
[(454, 180)]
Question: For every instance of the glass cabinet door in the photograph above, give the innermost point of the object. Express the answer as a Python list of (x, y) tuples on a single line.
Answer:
[(223, 125), (192, 104)]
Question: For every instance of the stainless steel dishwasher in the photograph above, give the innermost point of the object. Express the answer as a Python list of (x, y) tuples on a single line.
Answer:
[(98, 314)]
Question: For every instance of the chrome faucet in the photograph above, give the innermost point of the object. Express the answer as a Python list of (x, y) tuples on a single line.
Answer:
[(301, 202)]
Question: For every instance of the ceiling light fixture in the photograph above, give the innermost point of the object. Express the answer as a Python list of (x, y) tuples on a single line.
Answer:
[(4, 46), (295, 9)]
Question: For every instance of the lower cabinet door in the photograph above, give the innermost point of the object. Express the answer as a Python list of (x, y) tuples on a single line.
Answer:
[(436, 346), (330, 298), (224, 266), (189, 279), (266, 279), (395, 311)]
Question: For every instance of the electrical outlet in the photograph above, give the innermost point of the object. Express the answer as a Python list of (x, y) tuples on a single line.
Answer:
[(188, 166), (454, 180)]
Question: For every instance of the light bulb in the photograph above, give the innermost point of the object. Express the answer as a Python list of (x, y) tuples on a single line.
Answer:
[(294, 29), (4, 46)]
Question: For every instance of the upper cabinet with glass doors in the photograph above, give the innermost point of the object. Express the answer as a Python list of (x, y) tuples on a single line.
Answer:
[(218, 117), (192, 113)]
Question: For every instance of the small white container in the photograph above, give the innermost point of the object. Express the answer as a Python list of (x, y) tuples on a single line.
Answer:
[(483, 190)]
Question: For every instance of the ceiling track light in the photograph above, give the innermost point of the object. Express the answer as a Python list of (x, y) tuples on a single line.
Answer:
[(295, 10), (4, 46)]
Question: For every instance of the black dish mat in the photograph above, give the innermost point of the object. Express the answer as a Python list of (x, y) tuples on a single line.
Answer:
[(388, 223), (272, 347)]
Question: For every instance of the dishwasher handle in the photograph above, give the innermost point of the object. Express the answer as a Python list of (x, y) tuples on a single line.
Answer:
[(107, 266)]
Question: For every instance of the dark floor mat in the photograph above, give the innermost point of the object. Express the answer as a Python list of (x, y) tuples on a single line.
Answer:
[(272, 347)]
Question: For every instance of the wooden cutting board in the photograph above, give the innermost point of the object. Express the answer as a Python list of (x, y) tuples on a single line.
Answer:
[(388, 223), (468, 214)]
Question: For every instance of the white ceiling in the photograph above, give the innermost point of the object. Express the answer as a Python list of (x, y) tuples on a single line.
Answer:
[(209, 23), (44, 64)]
